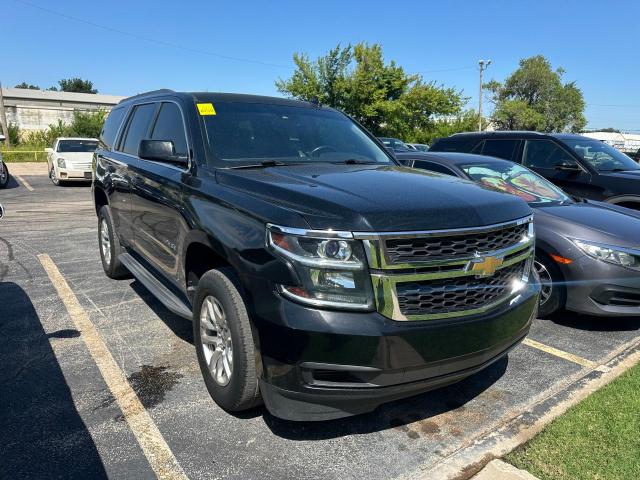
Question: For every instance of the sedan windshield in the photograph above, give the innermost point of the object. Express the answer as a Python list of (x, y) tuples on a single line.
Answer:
[(517, 180), (77, 146), (602, 157), (255, 133)]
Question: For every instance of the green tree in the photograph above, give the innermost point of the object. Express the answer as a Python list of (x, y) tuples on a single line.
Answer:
[(27, 86), (88, 124), (77, 85), (534, 97), (380, 95)]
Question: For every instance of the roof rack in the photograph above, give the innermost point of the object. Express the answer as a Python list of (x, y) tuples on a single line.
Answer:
[(146, 94), (497, 132)]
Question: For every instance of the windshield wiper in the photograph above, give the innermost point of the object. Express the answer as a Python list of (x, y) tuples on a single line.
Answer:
[(266, 163), (355, 161)]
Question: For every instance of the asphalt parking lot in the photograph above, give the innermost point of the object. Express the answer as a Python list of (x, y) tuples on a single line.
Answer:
[(61, 417)]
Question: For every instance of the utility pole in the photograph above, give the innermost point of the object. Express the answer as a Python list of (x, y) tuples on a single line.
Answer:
[(3, 119), (483, 66)]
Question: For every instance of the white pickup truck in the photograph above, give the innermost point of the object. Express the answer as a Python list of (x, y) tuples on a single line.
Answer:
[(70, 159)]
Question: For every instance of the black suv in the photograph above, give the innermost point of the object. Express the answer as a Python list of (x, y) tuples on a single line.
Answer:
[(319, 275), (581, 166)]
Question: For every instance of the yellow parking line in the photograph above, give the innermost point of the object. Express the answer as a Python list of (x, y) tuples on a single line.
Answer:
[(24, 182), (160, 457), (561, 353)]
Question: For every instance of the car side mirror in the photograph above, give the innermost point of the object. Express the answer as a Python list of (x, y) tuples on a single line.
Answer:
[(160, 151), (48, 150), (567, 166)]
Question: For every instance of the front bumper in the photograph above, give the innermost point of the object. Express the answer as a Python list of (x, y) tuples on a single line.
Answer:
[(602, 289), (320, 364), (67, 174)]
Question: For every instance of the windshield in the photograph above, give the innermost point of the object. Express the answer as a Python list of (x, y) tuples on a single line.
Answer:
[(602, 157), (517, 180), (77, 145), (250, 133)]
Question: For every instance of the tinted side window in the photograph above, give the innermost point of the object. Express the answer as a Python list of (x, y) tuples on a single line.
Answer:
[(544, 154), (138, 128), (452, 144), (500, 148), (169, 126), (433, 167), (110, 128)]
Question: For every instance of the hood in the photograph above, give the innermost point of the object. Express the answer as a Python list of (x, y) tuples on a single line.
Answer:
[(76, 156), (375, 198), (589, 221)]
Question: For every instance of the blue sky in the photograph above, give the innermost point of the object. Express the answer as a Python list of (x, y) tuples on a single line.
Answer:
[(596, 42)]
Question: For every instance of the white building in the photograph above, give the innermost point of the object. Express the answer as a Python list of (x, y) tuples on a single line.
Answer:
[(625, 142), (37, 109)]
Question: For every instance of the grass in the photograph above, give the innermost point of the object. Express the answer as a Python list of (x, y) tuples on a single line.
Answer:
[(597, 439), (24, 153)]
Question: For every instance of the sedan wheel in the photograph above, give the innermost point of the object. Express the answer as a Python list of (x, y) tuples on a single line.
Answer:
[(546, 282), (53, 177), (215, 336)]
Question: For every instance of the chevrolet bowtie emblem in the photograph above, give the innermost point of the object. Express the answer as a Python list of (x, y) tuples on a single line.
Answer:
[(485, 266)]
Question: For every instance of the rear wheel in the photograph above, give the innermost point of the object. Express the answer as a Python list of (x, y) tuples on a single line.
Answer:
[(109, 246), (224, 341), (553, 293)]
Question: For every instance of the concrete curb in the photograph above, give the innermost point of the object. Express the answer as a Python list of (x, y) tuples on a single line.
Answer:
[(499, 470), (28, 168), (516, 431)]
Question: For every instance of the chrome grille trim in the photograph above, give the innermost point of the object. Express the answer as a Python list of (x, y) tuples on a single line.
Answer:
[(386, 276)]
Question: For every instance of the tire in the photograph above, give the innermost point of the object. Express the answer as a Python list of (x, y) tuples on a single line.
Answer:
[(554, 293), (109, 246), (4, 175), (54, 178), (226, 343)]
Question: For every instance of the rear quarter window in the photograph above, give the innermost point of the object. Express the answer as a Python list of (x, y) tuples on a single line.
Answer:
[(500, 148), (110, 128)]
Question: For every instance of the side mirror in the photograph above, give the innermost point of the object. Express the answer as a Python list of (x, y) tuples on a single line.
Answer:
[(568, 166), (160, 151), (48, 150)]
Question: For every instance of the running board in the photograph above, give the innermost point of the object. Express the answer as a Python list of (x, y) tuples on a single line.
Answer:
[(162, 293)]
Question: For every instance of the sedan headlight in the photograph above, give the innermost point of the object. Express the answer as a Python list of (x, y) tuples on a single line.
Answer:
[(332, 268), (610, 253), (62, 163)]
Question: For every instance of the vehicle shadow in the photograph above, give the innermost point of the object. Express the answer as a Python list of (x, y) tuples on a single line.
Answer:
[(41, 433), (11, 183), (595, 324), (395, 414)]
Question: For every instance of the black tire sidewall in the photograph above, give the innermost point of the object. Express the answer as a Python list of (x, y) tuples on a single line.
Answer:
[(218, 284), (6, 176), (558, 293)]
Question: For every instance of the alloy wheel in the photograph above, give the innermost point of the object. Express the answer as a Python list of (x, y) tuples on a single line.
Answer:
[(546, 282), (52, 176), (216, 340), (105, 242)]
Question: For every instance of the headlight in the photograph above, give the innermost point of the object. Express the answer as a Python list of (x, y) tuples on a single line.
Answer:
[(610, 253), (332, 270), (62, 163)]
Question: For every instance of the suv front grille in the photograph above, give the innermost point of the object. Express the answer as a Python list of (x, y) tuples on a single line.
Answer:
[(407, 250), (450, 273), (456, 294)]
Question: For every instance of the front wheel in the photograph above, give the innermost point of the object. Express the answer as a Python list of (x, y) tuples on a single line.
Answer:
[(553, 293), (4, 174), (224, 341), (54, 177)]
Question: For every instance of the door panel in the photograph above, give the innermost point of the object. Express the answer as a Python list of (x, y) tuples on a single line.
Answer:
[(117, 179)]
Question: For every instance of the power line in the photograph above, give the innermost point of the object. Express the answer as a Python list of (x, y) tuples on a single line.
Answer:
[(148, 39)]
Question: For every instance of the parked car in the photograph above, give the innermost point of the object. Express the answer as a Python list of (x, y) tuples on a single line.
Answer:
[(583, 167), (4, 170), (70, 159), (395, 144), (587, 252), (420, 147), (318, 275)]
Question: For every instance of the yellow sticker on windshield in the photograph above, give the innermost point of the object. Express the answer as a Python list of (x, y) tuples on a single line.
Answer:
[(206, 108)]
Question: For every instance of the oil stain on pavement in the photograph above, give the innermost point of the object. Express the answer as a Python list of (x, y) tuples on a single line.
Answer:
[(151, 384)]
